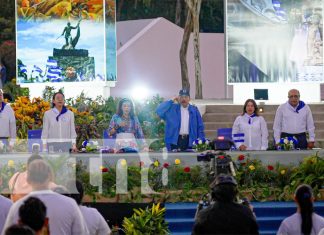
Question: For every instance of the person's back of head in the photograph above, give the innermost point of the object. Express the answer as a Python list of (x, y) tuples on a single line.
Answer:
[(33, 157), (33, 214), (39, 173), (304, 198), (18, 229), (224, 188)]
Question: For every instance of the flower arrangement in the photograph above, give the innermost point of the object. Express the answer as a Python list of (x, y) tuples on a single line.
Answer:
[(201, 144), (288, 143), (90, 146)]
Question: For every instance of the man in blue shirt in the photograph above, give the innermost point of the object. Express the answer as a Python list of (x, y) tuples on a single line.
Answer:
[(183, 122)]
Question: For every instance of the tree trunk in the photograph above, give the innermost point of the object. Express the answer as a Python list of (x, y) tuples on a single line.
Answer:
[(183, 51), (178, 13), (194, 8)]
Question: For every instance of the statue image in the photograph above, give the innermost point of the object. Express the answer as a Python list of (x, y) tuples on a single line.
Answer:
[(70, 42)]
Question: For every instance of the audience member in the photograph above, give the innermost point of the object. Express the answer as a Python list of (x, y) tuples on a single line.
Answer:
[(224, 215), (33, 214), (252, 126), (95, 221), (183, 122), (18, 185), (5, 205), (293, 119), (18, 229), (305, 221), (63, 213)]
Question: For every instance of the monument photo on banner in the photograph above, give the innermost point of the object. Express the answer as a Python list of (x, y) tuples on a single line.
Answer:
[(60, 41), (274, 41)]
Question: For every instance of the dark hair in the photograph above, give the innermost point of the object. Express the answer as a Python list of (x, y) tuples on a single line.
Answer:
[(304, 195), (256, 109), (33, 213), (33, 157), (79, 187), (18, 229), (54, 95), (224, 192), (120, 110)]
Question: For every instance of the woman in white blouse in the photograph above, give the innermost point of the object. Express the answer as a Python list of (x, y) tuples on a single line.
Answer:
[(251, 128), (58, 132)]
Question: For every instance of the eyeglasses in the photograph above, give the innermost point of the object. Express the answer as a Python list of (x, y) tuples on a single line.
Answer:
[(293, 96)]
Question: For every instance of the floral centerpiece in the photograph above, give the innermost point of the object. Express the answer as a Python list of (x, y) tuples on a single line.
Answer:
[(288, 143), (90, 146), (201, 144)]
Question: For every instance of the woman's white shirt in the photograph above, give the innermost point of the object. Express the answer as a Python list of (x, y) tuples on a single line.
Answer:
[(255, 132)]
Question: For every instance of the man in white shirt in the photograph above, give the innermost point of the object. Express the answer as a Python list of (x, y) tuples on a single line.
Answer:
[(293, 119), (7, 123), (64, 215)]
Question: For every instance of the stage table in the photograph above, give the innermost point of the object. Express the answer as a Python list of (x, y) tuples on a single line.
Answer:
[(186, 158)]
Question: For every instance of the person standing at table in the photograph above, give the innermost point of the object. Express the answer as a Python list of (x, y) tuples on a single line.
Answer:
[(58, 132), (7, 123), (125, 127), (293, 119), (252, 126), (183, 122)]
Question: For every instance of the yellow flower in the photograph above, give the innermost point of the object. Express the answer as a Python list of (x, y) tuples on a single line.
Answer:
[(156, 163), (252, 168), (123, 162), (11, 163), (283, 172), (177, 161), (101, 167)]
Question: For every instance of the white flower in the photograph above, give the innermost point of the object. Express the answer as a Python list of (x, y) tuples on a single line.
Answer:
[(95, 143), (286, 141), (291, 142), (1, 145), (83, 149), (194, 143), (206, 142), (200, 142)]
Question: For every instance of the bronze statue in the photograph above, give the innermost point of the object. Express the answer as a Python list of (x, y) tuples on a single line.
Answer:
[(70, 42)]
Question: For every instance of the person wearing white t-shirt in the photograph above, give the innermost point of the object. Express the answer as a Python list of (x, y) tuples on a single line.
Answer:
[(5, 205), (293, 119), (305, 220), (95, 221), (7, 123), (63, 213), (252, 127), (58, 132)]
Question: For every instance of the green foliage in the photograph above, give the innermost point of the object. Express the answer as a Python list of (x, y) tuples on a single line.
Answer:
[(152, 125), (49, 91), (310, 171), (148, 221), (15, 90), (211, 14)]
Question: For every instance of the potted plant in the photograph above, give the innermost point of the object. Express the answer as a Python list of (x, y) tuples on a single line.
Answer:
[(148, 221)]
